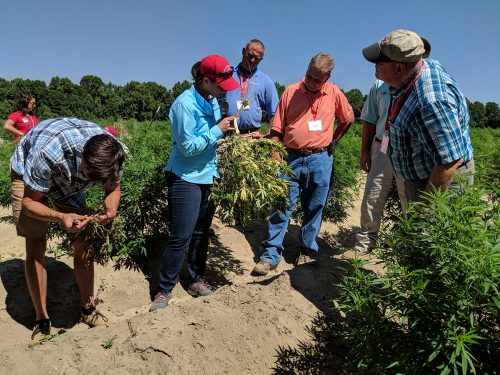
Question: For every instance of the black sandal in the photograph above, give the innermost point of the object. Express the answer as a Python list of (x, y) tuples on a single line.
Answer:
[(41, 326)]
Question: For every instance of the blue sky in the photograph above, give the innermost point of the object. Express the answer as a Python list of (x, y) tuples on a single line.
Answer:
[(153, 40)]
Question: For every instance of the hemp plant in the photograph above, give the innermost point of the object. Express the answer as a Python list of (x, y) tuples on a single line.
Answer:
[(437, 308), (251, 183)]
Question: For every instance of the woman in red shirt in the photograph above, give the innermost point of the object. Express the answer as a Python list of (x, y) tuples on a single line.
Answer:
[(22, 119)]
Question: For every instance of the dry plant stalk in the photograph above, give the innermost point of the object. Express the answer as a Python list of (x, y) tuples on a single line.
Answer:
[(244, 103)]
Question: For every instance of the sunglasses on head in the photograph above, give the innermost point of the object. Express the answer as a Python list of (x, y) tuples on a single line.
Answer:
[(227, 74)]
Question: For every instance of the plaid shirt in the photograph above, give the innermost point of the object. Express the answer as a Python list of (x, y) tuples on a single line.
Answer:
[(49, 159), (432, 127)]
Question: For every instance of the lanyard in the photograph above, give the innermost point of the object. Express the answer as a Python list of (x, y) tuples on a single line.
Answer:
[(314, 111), (244, 85), (399, 103)]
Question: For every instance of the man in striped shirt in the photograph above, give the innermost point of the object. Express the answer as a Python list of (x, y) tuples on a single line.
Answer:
[(56, 161), (428, 121)]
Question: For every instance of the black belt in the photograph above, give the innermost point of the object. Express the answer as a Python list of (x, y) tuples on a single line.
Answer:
[(377, 140), (307, 151), (464, 164)]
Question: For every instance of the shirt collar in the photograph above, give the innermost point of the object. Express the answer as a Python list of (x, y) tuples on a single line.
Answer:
[(240, 73), (206, 107)]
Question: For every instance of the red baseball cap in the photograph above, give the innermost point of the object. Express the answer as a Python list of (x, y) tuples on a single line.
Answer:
[(218, 69)]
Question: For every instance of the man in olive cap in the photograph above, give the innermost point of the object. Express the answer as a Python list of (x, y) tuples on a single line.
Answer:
[(427, 127)]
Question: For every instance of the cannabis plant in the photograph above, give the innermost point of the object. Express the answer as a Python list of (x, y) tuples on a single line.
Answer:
[(437, 308), (251, 183)]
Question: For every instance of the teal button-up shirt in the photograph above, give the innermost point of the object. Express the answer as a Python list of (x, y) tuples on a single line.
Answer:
[(194, 137)]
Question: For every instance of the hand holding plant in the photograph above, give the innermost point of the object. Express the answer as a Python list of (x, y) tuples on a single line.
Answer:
[(227, 124)]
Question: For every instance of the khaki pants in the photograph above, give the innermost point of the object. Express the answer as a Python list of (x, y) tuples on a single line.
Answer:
[(378, 184), (27, 226)]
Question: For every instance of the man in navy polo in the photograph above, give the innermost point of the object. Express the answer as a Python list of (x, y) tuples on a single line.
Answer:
[(255, 87)]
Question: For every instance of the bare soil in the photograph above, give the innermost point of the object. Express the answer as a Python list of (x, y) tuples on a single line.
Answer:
[(240, 329)]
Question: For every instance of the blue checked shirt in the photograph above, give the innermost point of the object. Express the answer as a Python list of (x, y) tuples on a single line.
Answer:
[(49, 159), (432, 127)]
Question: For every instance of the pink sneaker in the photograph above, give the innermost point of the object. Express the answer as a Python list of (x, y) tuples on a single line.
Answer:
[(199, 288), (161, 301)]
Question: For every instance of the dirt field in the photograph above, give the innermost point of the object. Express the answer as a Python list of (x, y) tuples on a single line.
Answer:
[(238, 330)]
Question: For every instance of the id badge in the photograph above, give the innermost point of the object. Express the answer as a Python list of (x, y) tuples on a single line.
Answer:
[(315, 125), (239, 103), (384, 144)]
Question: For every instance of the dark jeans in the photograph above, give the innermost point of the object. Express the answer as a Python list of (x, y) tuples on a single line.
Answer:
[(190, 218)]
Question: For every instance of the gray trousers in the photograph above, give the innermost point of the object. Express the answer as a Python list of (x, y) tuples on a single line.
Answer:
[(413, 189), (378, 184)]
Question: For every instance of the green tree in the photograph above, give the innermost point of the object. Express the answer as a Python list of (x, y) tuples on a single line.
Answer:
[(492, 115), (280, 88), (477, 114), (356, 100), (91, 84)]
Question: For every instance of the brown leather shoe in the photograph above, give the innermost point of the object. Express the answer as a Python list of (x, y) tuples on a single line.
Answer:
[(262, 268)]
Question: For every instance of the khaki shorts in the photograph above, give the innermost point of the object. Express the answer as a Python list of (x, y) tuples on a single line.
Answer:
[(27, 226)]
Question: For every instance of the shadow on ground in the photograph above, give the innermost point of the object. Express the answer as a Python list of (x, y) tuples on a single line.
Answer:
[(63, 295), (257, 232), (325, 351), (219, 263)]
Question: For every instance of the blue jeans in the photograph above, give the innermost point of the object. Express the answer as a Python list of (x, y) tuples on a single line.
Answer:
[(311, 181), (190, 217)]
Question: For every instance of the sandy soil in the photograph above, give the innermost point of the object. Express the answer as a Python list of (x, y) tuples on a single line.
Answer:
[(238, 330)]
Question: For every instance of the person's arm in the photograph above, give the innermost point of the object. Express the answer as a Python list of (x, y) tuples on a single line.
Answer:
[(367, 136), (442, 175), (33, 207), (9, 127), (271, 119), (183, 131), (277, 125), (111, 202), (440, 134), (271, 102), (275, 136), (345, 115)]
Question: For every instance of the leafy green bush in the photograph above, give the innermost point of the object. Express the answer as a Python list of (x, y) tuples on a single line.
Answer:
[(6, 150), (436, 309), (250, 186), (487, 155)]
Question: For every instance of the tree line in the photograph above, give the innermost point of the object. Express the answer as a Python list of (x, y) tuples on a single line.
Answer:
[(93, 99)]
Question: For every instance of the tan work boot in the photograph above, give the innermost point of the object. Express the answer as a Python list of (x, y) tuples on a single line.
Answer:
[(262, 268)]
